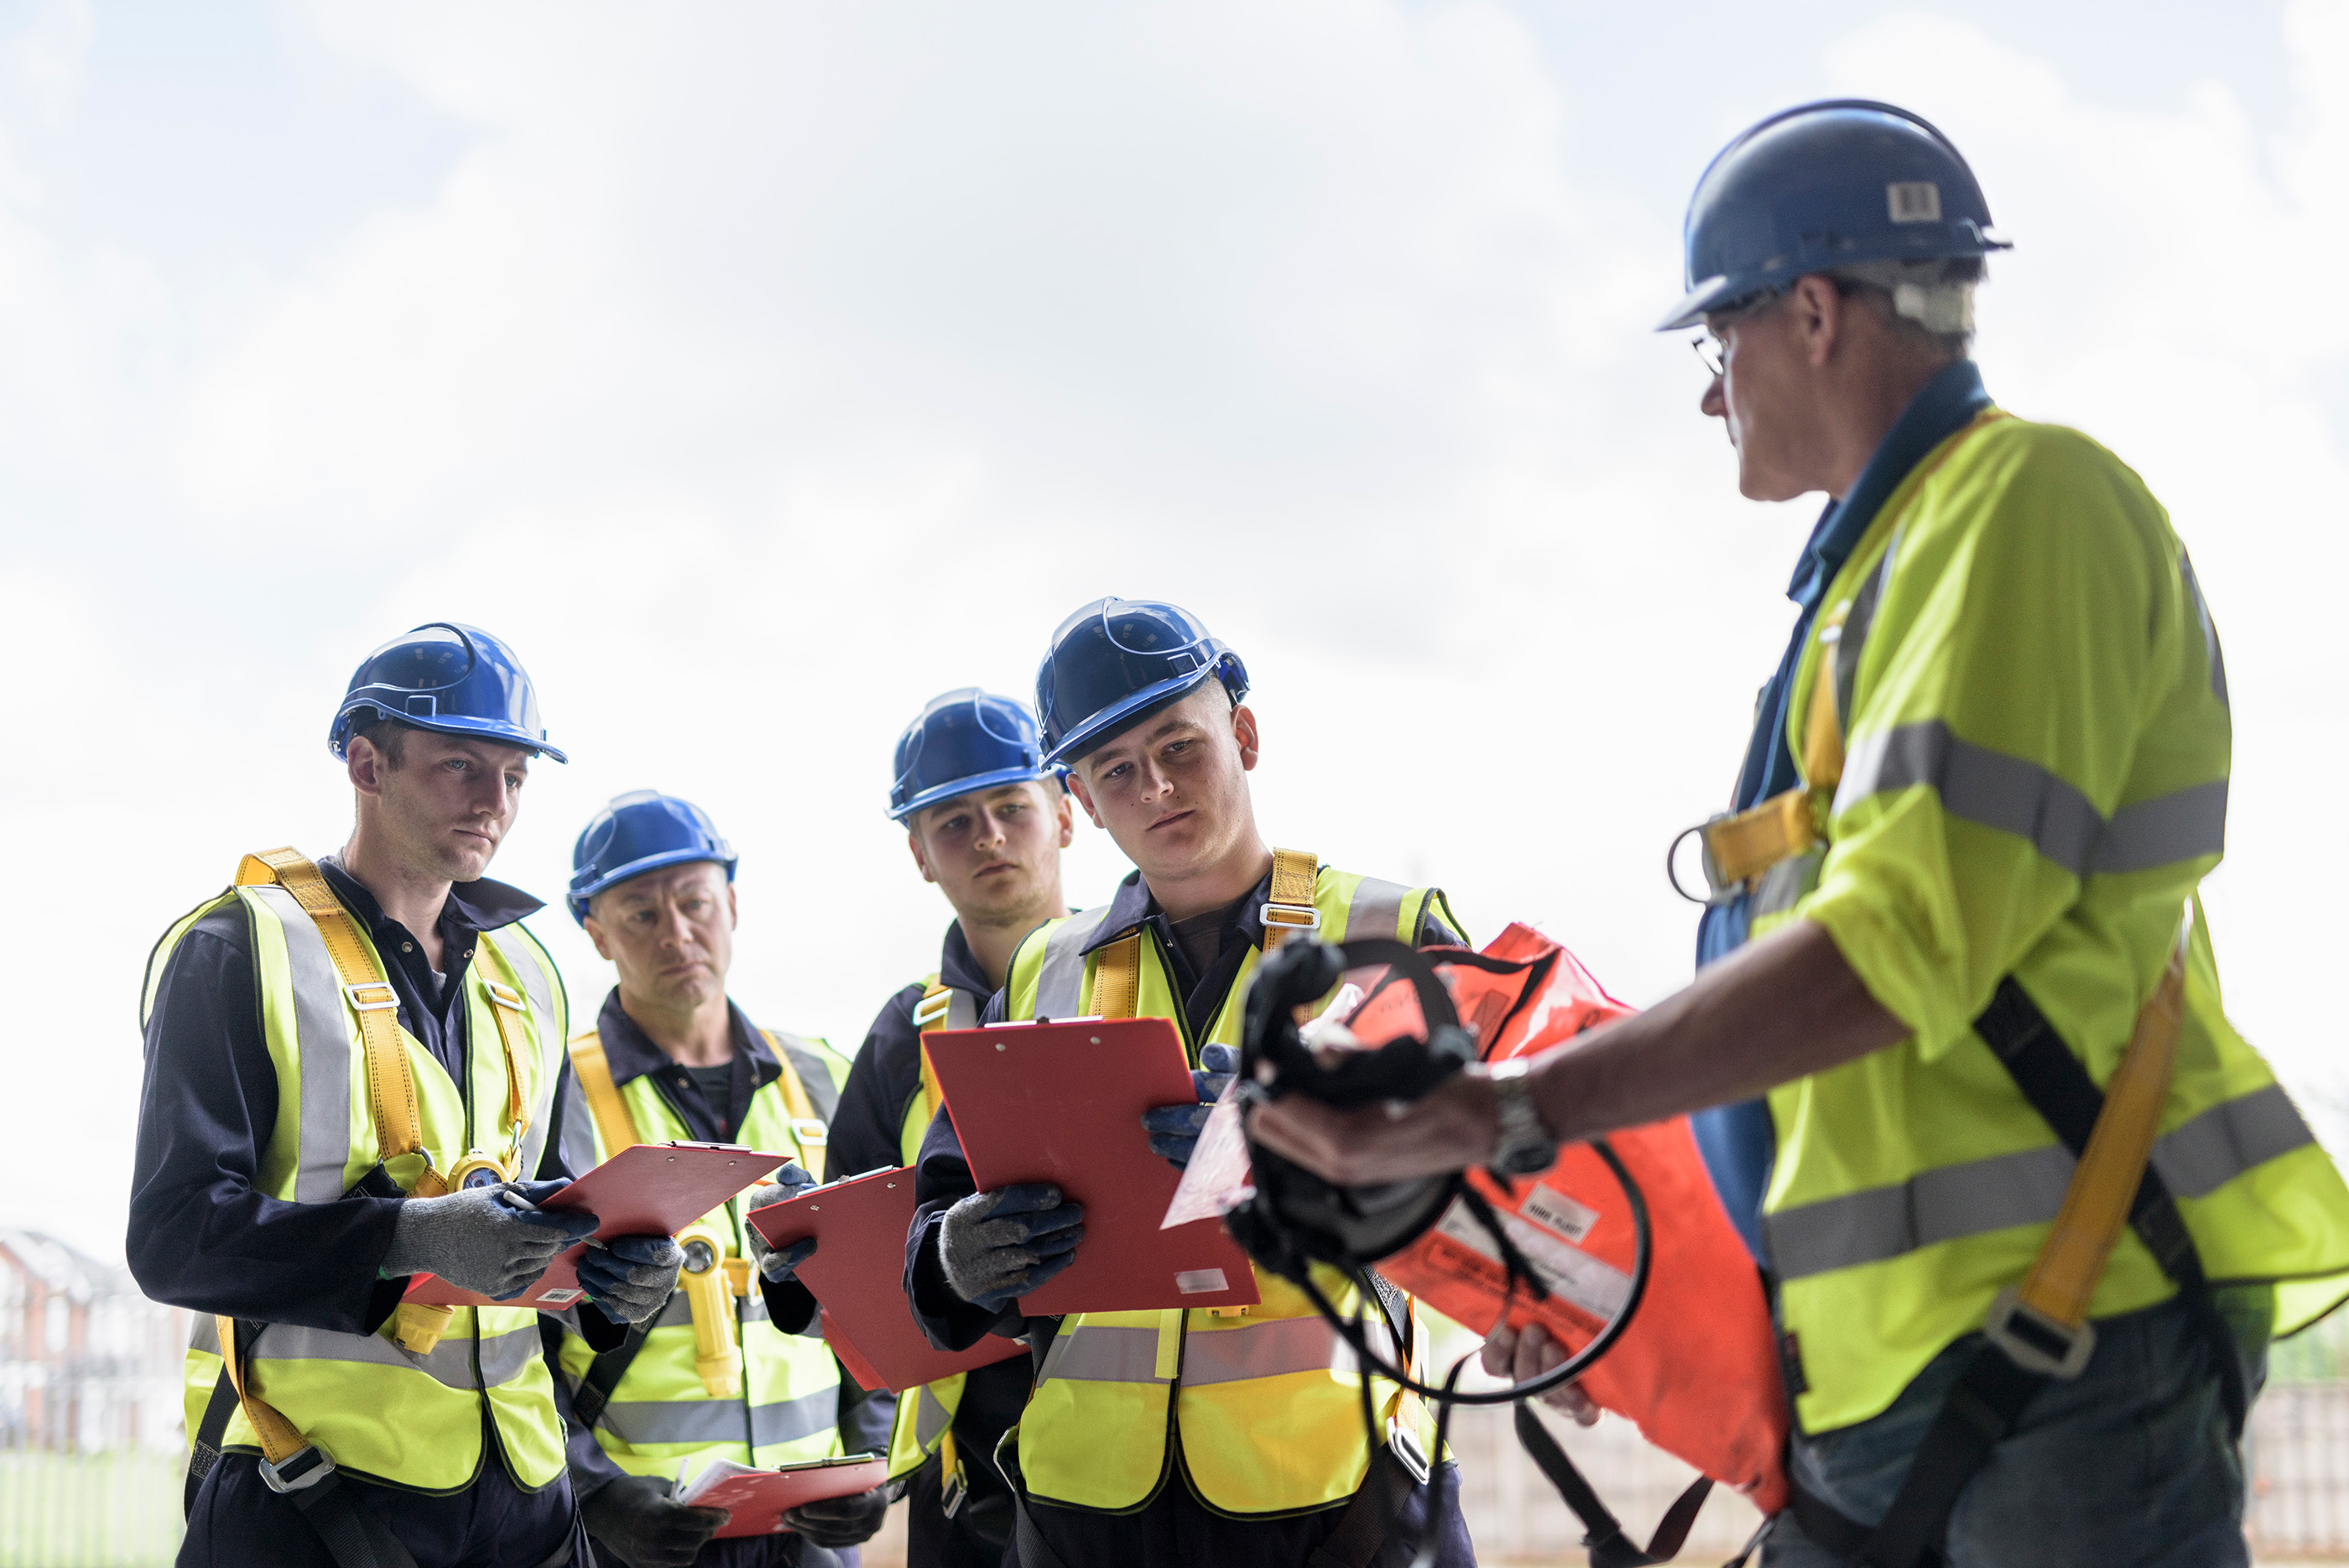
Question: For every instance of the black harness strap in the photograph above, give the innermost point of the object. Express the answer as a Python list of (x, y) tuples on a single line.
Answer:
[(1602, 1532), (604, 1373), (204, 1444), (1991, 1393), (1370, 1517)]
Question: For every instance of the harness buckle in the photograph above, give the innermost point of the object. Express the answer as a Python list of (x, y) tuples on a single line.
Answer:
[(930, 1008), (505, 996), (390, 1001), (1290, 916), (2035, 1341), (1403, 1443), (299, 1470), (1717, 892), (952, 1491), (810, 1132)]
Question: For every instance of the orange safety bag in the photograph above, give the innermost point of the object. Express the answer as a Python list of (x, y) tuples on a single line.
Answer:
[(1697, 1369)]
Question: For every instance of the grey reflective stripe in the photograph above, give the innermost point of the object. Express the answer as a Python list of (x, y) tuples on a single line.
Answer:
[(1786, 885), (578, 1129), (2168, 828), (2227, 1140), (504, 1357), (1060, 983), (1269, 1348), (962, 1009), (1098, 1354), (641, 1421), (931, 1419), (2020, 1189), (815, 1075), (1376, 911), (2211, 653), (205, 1335), (2007, 793), (538, 990), (324, 1038), (1851, 638)]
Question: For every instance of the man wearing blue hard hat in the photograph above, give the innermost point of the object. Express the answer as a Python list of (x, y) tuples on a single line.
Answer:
[(721, 1374), (1250, 1452), (2029, 1207), (354, 1076), (985, 819)]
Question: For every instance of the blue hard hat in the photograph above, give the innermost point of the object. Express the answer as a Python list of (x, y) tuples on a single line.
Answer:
[(1822, 186), (639, 832), (964, 741), (1115, 661), (457, 680)]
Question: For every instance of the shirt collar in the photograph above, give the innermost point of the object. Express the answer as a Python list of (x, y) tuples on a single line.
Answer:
[(1941, 407), (958, 966), (477, 906), (630, 1053), (1132, 906)]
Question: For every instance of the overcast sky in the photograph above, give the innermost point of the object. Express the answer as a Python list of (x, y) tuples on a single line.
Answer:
[(760, 370)]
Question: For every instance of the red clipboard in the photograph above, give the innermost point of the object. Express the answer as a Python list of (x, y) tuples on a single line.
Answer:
[(858, 1274), (757, 1498), (1062, 1103), (649, 1189)]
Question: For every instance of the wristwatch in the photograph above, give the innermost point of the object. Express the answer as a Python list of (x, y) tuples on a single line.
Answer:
[(1522, 1146)]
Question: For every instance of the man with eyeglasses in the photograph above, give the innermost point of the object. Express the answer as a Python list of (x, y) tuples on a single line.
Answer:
[(1942, 934)]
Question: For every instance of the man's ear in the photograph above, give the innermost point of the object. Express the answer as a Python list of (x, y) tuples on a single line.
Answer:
[(1817, 309), (1083, 797), (733, 912), (1244, 732), (1066, 809), (596, 935), (363, 765), (914, 843)]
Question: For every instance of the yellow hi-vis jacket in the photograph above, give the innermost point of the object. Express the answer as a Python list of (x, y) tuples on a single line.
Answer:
[(778, 1399), (383, 1412), (2034, 781), (925, 1419), (1265, 1398)]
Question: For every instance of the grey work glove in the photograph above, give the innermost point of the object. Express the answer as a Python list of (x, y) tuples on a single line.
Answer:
[(635, 1520), (997, 1245), (790, 1182), (484, 1239), (631, 1277), (837, 1522), (1175, 1129)]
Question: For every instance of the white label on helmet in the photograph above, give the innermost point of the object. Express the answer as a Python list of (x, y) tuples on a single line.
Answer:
[(1914, 200), (1546, 1205)]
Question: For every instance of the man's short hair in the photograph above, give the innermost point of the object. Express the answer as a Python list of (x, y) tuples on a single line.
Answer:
[(388, 736), (1930, 302)]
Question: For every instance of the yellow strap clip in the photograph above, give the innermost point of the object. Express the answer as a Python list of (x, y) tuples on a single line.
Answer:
[(1290, 909)]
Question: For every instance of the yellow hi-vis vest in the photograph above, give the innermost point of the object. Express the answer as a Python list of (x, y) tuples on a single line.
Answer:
[(714, 1378), (2034, 780), (1266, 1397), (381, 1411), (925, 1419)]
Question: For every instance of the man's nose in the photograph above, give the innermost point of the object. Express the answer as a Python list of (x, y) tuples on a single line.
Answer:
[(1714, 404), (990, 829)]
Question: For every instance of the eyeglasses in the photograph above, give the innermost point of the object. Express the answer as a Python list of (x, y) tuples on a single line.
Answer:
[(1712, 350)]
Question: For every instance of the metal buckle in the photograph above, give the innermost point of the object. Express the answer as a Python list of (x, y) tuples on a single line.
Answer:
[(1717, 892), (2035, 1341), (951, 1493), (505, 996), (1404, 1445), (1290, 916), (808, 1131), (391, 1003), (930, 1008), (292, 1474)]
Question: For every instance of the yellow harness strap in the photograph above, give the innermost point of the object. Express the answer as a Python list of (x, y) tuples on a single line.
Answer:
[(2062, 1276), (806, 1126), (281, 1439), (391, 1091), (1290, 906), (1117, 978), (930, 1016), (614, 1125)]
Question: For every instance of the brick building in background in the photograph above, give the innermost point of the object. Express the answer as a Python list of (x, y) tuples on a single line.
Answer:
[(87, 1363)]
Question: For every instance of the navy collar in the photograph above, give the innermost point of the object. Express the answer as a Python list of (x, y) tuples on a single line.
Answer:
[(1942, 407), (471, 907), (630, 1053), (1134, 906), (958, 966)]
